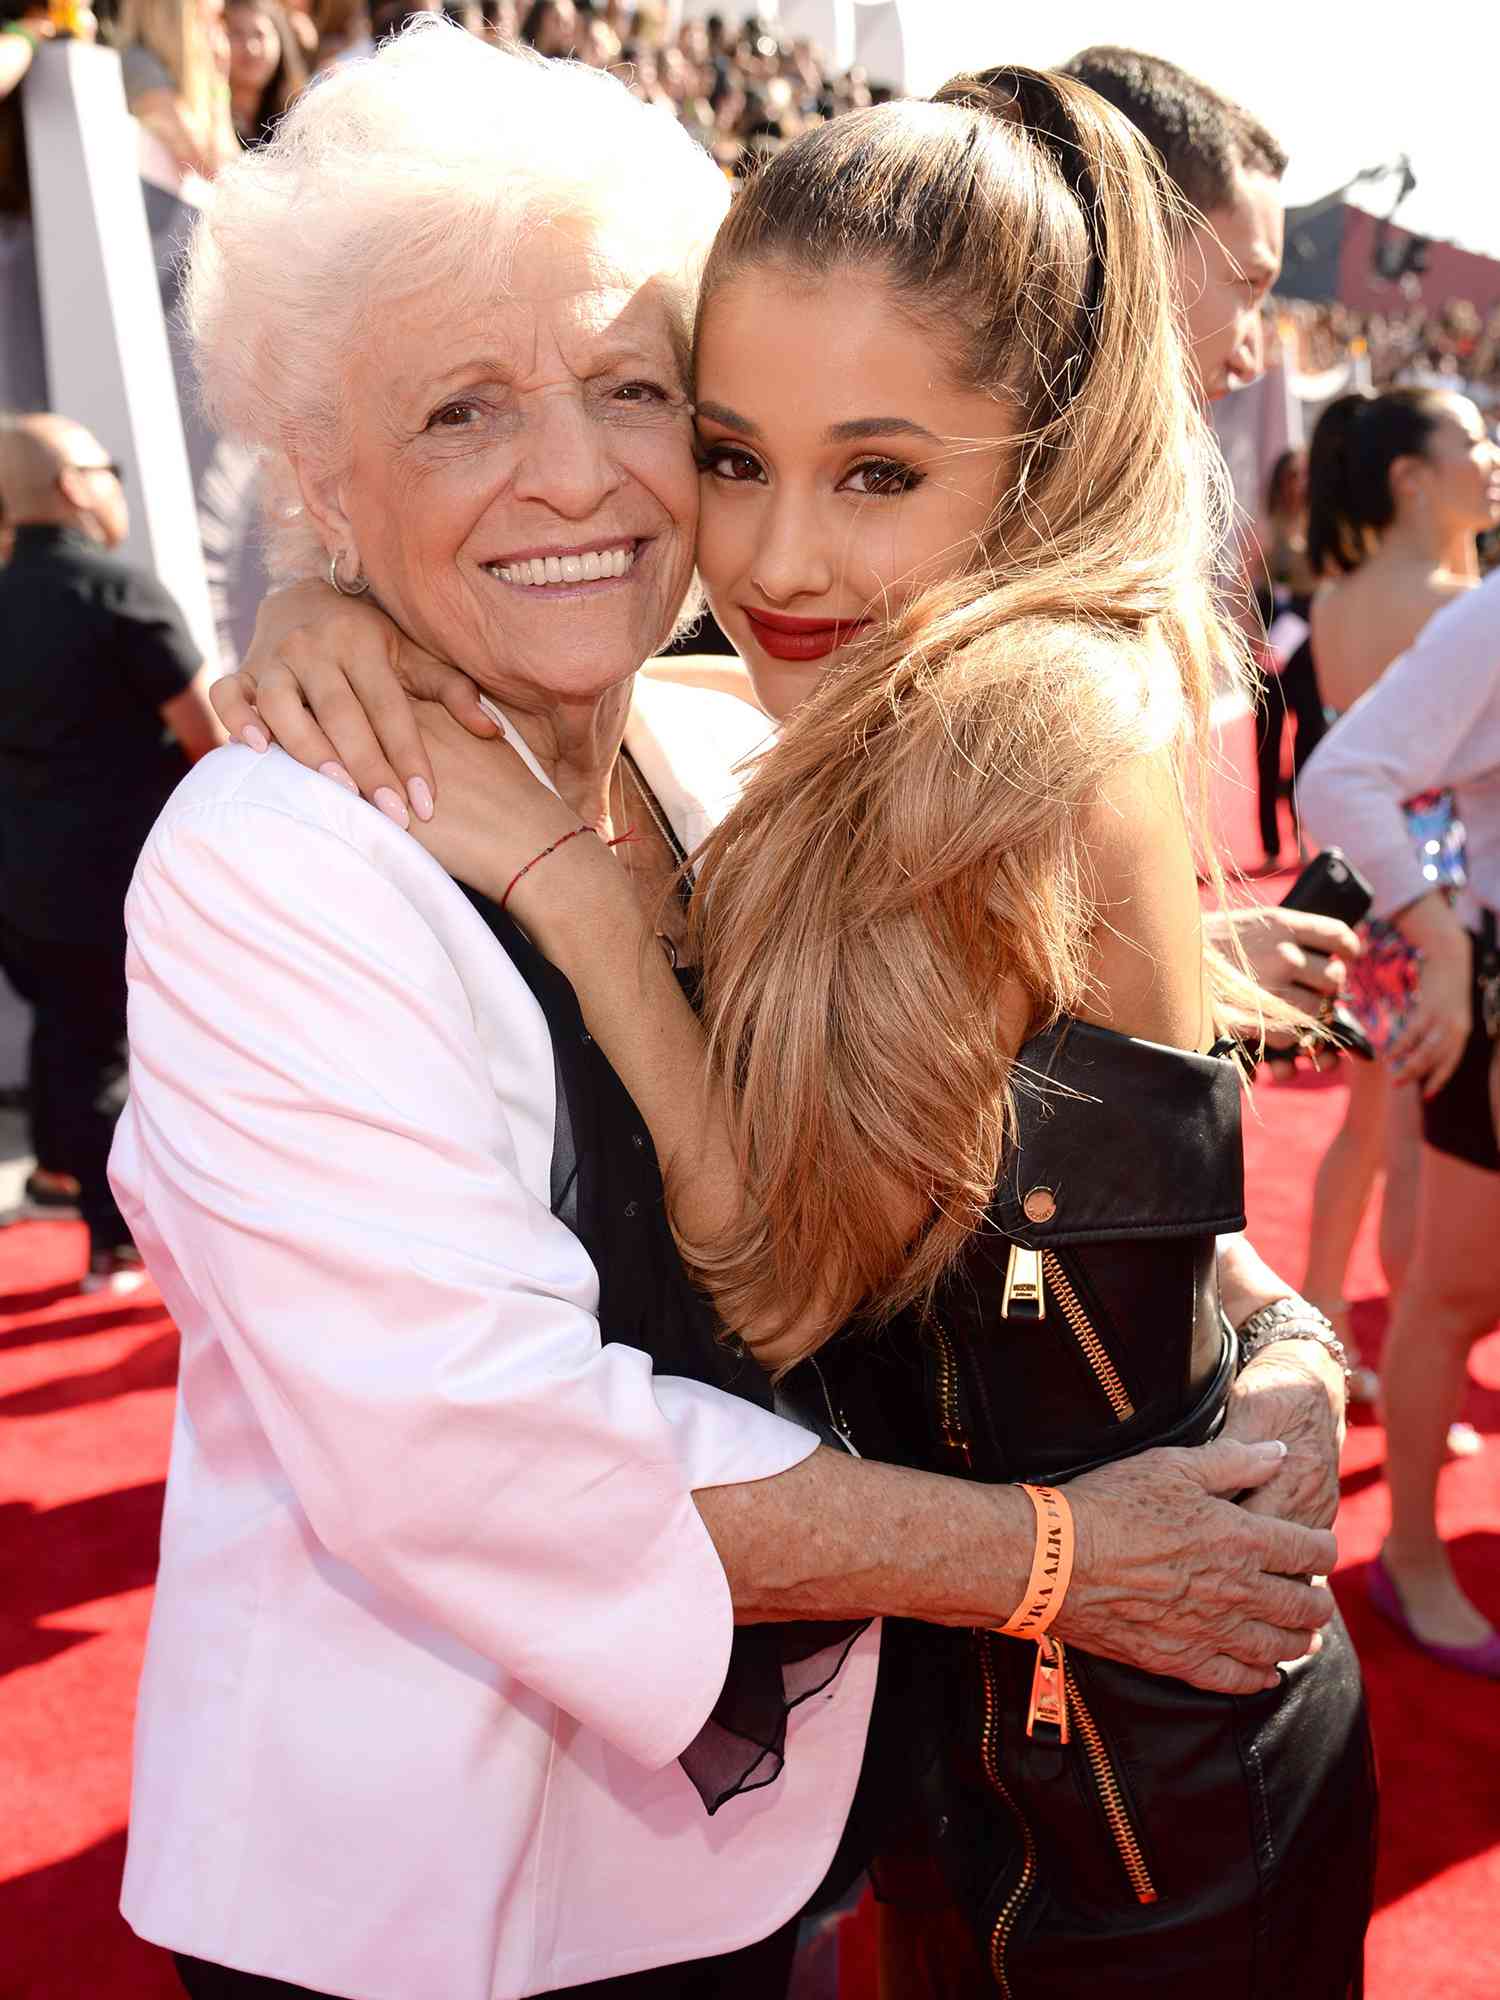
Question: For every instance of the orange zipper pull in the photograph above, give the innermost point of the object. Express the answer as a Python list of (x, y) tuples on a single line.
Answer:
[(1025, 1295), (1048, 1707)]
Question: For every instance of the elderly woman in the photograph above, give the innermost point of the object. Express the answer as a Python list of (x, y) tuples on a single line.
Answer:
[(475, 1666)]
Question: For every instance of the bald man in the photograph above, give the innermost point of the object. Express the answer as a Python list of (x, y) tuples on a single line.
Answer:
[(103, 704)]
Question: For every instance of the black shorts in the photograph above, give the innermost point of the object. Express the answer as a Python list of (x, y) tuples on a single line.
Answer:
[(1458, 1120)]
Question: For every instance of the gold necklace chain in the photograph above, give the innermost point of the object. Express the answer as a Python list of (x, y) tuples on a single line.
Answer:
[(659, 820)]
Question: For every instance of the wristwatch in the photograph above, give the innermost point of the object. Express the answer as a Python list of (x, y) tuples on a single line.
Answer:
[(1290, 1319)]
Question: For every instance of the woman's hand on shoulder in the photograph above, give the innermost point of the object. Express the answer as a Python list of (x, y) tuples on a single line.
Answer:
[(500, 829), (332, 680)]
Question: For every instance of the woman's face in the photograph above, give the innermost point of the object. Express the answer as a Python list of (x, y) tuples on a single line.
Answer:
[(519, 487), (842, 468), (254, 51), (1463, 468)]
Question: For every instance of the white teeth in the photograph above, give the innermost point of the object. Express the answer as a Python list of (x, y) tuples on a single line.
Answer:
[(592, 567)]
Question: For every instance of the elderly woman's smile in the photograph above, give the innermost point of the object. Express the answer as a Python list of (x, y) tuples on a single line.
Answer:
[(519, 483)]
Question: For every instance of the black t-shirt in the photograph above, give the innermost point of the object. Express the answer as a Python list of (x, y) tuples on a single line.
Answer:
[(91, 649)]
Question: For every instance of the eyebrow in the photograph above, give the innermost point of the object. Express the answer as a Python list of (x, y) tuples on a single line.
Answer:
[(844, 433)]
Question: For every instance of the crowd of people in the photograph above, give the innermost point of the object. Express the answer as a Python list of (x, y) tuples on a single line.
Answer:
[(530, 1163), (1454, 345), (209, 77)]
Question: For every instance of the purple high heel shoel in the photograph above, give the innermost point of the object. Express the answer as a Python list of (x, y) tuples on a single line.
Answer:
[(1482, 1659)]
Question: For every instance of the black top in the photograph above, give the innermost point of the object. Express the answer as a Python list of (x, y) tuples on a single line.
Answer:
[(91, 649), (607, 1188)]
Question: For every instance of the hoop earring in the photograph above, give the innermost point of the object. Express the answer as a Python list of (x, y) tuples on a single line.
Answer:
[(355, 589)]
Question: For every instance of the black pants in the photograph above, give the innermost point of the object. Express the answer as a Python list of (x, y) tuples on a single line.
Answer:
[(77, 1073), (759, 1972), (1291, 694)]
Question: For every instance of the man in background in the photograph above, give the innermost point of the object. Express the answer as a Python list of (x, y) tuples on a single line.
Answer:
[(103, 705), (1228, 167)]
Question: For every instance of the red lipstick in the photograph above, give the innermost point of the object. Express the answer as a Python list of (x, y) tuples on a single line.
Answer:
[(801, 638)]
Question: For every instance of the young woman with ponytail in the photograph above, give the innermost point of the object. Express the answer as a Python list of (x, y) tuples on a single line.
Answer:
[(1399, 486), (969, 1133), (1402, 484)]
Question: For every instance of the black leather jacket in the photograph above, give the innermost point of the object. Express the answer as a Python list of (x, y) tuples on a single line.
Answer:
[(1169, 1841)]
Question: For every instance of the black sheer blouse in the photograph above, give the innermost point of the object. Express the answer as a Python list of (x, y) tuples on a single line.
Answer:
[(607, 1188)]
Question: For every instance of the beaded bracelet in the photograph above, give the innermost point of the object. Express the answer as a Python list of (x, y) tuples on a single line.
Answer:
[(561, 841)]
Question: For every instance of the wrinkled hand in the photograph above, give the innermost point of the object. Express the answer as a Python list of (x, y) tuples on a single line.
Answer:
[(1293, 1390), (1171, 1576), (331, 679), (1293, 954)]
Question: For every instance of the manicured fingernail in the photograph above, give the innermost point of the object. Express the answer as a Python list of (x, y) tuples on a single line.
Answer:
[(420, 796), (393, 806), (339, 776), (1270, 1448), (254, 738)]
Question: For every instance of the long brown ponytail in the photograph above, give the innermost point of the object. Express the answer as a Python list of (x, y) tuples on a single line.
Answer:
[(901, 892)]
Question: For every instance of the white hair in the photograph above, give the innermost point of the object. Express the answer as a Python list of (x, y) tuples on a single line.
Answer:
[(418, 169)]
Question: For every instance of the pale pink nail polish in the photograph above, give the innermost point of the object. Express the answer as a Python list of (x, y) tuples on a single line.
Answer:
[(420, 796), (254, 738), (339, 776), (393, 806)]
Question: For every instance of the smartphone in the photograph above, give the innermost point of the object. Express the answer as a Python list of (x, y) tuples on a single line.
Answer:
[(1331, 886)]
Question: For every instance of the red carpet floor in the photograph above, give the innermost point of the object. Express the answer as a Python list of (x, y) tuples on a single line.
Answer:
[(85, 1406)]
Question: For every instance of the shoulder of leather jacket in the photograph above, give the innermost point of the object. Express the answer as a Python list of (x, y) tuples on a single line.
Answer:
[(1120, 1137)]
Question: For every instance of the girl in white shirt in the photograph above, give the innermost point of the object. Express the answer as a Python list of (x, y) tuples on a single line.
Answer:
[(1433, 720)]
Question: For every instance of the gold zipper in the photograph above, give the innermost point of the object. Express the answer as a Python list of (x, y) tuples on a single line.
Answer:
[(1011, 1908), (1025, 1295), (953, 1430), (1127, 1846), (1094, 1350)]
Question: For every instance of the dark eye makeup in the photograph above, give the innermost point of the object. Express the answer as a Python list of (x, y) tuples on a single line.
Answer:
[(871, 478)]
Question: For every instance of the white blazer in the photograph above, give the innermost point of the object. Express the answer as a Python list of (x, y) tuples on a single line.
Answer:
[(436, 1612)]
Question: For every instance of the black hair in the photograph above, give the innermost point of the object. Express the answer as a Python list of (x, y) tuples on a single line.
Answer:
[(1203, 139), (1358, 439)]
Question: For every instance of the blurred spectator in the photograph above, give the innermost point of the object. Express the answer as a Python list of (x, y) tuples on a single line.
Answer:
[(551, 27), (344, 29), (1283, 582), (174, 56), (102, 705), (266, 66), (23, 29), (389, 17), (599, 46)]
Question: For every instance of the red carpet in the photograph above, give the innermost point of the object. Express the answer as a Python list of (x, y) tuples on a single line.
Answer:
[(85, 1407)]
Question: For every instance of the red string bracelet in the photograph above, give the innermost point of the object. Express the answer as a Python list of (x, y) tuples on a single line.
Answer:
[(561, 841)]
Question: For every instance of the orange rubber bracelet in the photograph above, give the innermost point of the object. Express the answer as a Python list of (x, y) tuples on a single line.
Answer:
[(1051, 1565)]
